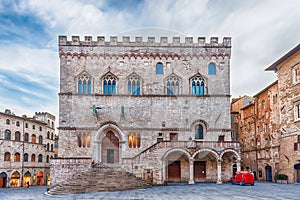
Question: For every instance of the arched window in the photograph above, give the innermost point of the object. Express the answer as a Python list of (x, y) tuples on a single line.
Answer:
[(41, 128), (26, 137), (134, 85), (51, 136), (52, 124), (33, 138), (134, 141), (33, 158), (40, 158), (172, 85), (109, 84), (17, 136), (7, 156), (51, 148), (48, 122), (199, 131), (48, 146), (40, 139), (17, 157), (211, 69), (7, 121), (7, 134), (26, 125), (47, 159), (48, 135), (198, 86), (26, 157), (17, 123), (84, 84), (159, 68)]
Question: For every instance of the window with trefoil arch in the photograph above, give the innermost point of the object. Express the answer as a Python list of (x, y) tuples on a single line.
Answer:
[(84, 84), (134, 85), (109, 84), (173, 85), (198, 85)]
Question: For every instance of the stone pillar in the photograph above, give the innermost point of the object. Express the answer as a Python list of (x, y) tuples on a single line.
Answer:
[(238, 165), (191, 181), (163, 178), (219, 169)]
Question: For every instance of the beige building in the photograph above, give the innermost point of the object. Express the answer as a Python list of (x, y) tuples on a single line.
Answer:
[(26, 146), (160, 110)]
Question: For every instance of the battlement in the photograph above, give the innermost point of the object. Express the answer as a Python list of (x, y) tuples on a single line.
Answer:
[(151, 41)]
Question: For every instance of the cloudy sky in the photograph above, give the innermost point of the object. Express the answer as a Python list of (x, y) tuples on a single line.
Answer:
[(262, 31)]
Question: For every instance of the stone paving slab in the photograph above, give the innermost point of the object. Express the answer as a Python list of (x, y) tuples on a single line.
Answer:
[(205, 191)]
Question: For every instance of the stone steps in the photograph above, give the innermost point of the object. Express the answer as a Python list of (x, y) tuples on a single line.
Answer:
[(99, 178)]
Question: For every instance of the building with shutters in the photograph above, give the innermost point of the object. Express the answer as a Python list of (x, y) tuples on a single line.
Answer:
[(26, 146)]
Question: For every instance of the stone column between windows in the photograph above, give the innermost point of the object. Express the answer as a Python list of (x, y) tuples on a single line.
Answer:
[(191, 181), (219, 170)]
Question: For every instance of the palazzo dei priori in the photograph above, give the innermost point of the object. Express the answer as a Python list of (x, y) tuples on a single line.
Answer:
[(159, 108)]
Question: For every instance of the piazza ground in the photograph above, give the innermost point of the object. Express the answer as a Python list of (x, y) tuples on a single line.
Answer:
[(197, 191)]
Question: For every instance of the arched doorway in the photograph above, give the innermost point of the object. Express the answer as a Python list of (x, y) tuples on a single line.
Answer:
[(15, 179), (110, 148), (176, 164), (27, 179), (297, 168), (204, 160), (234, 169), (3, 180), (268, 170), (40, 178)]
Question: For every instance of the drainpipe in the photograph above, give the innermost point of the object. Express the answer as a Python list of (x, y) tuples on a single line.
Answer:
[(255, 110)]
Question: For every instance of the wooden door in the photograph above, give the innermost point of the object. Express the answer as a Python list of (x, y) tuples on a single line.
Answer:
[(199, 170), (174, 171)]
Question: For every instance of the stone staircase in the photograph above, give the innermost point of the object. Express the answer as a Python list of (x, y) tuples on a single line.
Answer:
[(97, 178)]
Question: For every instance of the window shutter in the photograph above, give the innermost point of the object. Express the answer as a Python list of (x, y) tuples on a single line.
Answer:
[(295, 146)]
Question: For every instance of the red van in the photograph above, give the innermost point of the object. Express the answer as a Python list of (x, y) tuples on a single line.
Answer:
[(243, 178)]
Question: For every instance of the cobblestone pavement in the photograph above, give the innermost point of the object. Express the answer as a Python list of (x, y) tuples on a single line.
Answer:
[(198, 191)]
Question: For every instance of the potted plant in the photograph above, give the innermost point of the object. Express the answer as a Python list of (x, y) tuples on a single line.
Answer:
[(281, 178)]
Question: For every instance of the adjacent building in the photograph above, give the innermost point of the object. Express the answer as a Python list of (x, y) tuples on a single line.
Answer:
[(268, 124), (159, 109), (26, 146), (288, 71)]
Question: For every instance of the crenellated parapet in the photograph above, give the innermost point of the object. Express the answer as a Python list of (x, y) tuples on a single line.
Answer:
[(138, 41)]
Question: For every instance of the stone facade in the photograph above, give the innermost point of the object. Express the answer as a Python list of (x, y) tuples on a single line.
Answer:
[(288, 71), (161, 110), (27, 145), (270, 123)]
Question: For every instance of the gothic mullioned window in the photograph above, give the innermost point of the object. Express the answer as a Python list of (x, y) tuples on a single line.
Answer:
[(109, 84), (134, 85), (134, 141), (84, 84), (173, 85), (198, 86), (17, 136), (84, 140)]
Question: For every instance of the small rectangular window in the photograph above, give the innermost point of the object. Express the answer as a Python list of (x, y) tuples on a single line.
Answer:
[(297, 112)]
